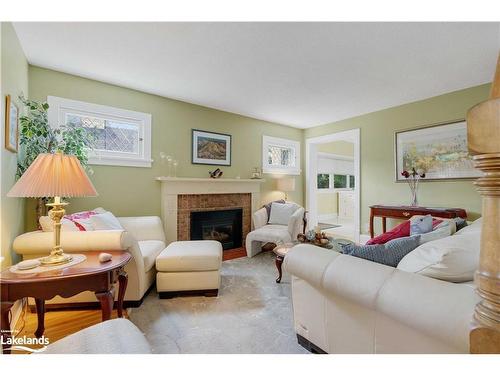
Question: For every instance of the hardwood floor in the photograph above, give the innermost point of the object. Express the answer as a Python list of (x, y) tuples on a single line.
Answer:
[(59, 324)]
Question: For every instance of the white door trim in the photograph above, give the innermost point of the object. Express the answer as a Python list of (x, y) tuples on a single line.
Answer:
[(353, 136)]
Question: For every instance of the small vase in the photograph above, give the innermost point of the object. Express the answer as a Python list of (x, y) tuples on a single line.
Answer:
[(414, 200)]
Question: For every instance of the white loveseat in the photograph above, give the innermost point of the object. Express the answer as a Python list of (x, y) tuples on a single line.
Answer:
[(143, 237), (344, 304), (274, 233)]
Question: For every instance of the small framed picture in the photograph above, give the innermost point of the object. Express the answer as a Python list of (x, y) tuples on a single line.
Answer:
[(11, 125), (211, 148)]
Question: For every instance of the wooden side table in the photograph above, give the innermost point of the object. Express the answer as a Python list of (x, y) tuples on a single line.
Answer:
[(405, 212), (89, 275)]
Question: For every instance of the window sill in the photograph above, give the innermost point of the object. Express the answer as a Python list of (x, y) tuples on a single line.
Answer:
[(281, 171), (120, 162)]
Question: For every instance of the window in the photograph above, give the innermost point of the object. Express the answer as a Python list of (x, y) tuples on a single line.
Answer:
[(335, 181), (280, 156), (122, 137), (323, 181)]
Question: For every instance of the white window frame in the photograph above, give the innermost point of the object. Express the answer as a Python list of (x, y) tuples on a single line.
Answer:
[(331, 181), (268, 141), (60, 107)]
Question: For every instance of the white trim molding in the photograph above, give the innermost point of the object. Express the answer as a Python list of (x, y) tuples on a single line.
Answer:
[(312, 171), (267, 142), (60, 107)]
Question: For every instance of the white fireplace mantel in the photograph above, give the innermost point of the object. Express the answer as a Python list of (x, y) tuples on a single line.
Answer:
[(172, 187)]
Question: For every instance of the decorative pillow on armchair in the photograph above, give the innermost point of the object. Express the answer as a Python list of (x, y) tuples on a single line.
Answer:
[(268, 207), (281, 213)]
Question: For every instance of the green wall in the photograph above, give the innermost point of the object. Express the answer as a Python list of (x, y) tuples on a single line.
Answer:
[(377, 151), (134, 191), (343, 148), (14, 81)]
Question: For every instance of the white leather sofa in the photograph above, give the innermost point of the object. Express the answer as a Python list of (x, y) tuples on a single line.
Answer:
[(115, 336), (143, 237), (343, 304), (274, 233)]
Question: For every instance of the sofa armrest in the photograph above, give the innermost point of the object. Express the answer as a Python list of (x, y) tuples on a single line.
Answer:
[(259, 218), (437, 308), (39, 242), (296, 223), (144, 228)]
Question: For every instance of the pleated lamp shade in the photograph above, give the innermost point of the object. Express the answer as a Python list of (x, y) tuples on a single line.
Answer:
[(53, 175), (286, 184)]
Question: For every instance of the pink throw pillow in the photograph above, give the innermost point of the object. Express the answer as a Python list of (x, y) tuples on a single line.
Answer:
[(82, 220)]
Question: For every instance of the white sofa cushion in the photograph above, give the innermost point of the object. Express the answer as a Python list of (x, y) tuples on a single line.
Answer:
[(281, 213), (183, 256), (453, 258), (150, 249)]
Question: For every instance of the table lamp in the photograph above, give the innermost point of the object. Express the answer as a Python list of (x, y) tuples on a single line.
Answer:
[(286, 185), (54, 175)]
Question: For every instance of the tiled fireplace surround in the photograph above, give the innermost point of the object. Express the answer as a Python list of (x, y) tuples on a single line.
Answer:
[(181, 195), (187, 203)]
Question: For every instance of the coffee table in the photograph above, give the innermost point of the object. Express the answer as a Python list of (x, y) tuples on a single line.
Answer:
[(88, 275), (282, 249)]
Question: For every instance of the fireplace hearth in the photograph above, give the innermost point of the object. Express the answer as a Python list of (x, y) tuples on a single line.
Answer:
[(224, 226)]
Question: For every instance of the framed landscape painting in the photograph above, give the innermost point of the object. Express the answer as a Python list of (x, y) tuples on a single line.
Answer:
[(438, 150), (211, 148), (11, 124)]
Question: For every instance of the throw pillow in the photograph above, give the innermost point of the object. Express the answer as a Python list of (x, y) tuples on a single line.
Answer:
[(460, 223), (453, 258), (401, 230), (268, 207), (389, 254), (82, 219), (281, 213), (420, 224), (47, 225), (105, 221)]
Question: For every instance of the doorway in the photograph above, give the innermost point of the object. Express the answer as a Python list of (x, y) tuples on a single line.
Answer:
[(333, 183)]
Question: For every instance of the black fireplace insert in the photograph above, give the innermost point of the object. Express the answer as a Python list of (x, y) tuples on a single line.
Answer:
[(224, 226)]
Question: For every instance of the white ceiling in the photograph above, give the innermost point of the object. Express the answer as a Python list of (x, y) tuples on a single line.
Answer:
[(297, 74)]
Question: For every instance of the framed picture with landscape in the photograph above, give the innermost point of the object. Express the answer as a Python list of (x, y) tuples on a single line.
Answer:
[(439, 150), (211, 148)]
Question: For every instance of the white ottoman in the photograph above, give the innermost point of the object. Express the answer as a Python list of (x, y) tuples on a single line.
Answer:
[(189, 267)]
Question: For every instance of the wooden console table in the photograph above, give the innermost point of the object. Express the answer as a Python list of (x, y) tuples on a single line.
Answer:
[(405, 212), (89, 275)]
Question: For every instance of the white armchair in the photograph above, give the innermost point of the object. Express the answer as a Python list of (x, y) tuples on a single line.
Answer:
[(274, 233), (143, 238)]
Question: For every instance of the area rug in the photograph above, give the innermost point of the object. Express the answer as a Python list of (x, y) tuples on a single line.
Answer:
[(252, 314), (324, 226)]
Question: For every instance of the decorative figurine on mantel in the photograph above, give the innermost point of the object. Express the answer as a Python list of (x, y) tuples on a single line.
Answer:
[(216, 174), (256, 174)]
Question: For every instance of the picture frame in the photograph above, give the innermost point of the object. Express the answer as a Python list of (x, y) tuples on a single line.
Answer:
[(11, 125), (211, 148), (440, 150)]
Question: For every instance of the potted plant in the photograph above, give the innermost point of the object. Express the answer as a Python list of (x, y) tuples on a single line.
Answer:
[(36, 137)]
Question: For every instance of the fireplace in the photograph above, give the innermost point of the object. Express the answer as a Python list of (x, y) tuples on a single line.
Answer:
[(224, 226)]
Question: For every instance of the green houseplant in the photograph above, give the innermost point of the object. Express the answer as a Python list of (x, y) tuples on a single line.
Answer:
[(36, 137)]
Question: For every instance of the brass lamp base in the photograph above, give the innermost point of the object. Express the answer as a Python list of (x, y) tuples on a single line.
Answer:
[(54, 259), (57, 255)]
